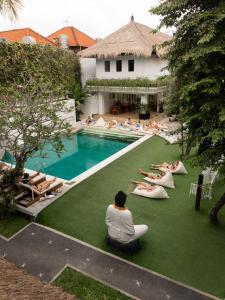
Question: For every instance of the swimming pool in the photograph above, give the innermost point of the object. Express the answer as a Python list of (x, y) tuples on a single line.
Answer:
[(82, 151)]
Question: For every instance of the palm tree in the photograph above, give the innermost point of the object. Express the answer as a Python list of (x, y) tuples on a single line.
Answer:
[(10, 7)]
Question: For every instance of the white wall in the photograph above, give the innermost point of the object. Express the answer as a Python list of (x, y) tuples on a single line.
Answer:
[(88, 69), (90, 107), (143, 67), (104, 102), (69, 115), (100, 103)]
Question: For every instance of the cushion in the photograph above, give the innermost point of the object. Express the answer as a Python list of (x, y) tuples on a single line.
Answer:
[(129, 248), (179, 170), (100, 122), (158, 192), (166, 180)]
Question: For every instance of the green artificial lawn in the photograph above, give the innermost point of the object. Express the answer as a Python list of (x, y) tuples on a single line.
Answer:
[(86, 288), (181, 243), (12, 225)]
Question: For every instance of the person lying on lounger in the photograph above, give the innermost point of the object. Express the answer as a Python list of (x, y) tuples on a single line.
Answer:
[(152, 175), (141, 185), (128, 123), (112, 124), (43, 185), (3, 167), (169, 166), (27, 178), (90, 121)]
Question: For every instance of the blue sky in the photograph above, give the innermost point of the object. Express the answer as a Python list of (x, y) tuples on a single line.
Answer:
[(97, 18)]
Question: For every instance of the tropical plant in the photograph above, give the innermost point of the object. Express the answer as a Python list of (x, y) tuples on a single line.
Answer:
[(10, 7), (33, 84), (196, 57), (80, 95), (7, 205), (138, 82)]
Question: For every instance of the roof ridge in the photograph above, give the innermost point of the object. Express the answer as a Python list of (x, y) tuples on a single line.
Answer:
[(74, 35), (42, 36), (83, 33), (15, 29), (28, 29), (72, 27), (140, 33)]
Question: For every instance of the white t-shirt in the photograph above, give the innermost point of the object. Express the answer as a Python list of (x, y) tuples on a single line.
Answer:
[(120, 224)]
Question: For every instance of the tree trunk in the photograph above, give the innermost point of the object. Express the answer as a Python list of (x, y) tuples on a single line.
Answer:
[(188, 148), (215, 209), (19, 166)]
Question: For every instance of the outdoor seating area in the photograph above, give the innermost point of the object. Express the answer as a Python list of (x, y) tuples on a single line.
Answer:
[(124, 107), (35, 190), (171, 220), (38, 190), (163, 128)]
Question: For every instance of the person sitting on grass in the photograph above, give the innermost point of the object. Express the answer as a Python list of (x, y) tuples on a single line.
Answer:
[(152, 175), (43, 185), (141, 185), (120, 224)]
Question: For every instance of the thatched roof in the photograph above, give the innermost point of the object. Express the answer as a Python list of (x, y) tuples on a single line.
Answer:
[(18, 285), (132, 39)]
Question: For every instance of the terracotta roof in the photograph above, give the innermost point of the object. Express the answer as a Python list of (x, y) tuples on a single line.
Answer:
[(16, 35), (132, 39), (17, 284), (75, 37)]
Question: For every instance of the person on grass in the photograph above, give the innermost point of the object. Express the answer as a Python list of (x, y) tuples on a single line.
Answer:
[(120, 224), (152, 175), (170, 166), (141, 185)]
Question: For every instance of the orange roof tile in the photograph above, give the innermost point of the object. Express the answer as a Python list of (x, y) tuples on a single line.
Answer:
[(16, 35), (75, 37)]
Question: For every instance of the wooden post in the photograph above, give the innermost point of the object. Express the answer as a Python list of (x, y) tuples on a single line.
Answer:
[(199, 192)]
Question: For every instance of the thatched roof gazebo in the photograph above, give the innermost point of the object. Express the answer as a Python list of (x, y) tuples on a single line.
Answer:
[(17, 284), (132, 39)]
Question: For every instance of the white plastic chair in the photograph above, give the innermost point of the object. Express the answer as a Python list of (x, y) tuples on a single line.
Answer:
[(193, 189), (209, 176), (206, 190)]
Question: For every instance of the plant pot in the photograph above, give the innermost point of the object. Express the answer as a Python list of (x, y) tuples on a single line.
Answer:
[(144, 116)]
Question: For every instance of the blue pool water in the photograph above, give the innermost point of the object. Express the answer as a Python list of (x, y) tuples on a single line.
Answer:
[(82, 151)]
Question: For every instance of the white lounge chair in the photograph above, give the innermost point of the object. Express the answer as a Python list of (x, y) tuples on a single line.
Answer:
[(158, 192), (166, 180), (36, 193)]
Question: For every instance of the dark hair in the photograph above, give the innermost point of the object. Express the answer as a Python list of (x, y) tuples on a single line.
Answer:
[(120, 199)]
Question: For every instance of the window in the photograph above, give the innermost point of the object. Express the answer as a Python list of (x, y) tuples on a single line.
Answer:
[(119, 66), (131, 65), (107, 66)]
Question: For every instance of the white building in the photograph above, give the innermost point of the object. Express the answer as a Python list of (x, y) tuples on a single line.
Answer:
[(132, 52)]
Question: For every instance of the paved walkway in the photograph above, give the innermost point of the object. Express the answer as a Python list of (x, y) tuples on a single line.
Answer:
[(44, 253)]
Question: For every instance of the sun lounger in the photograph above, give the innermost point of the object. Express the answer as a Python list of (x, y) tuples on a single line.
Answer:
[(38, 194), (180, 169), (166, 180), (100, 123), (157, 193)]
